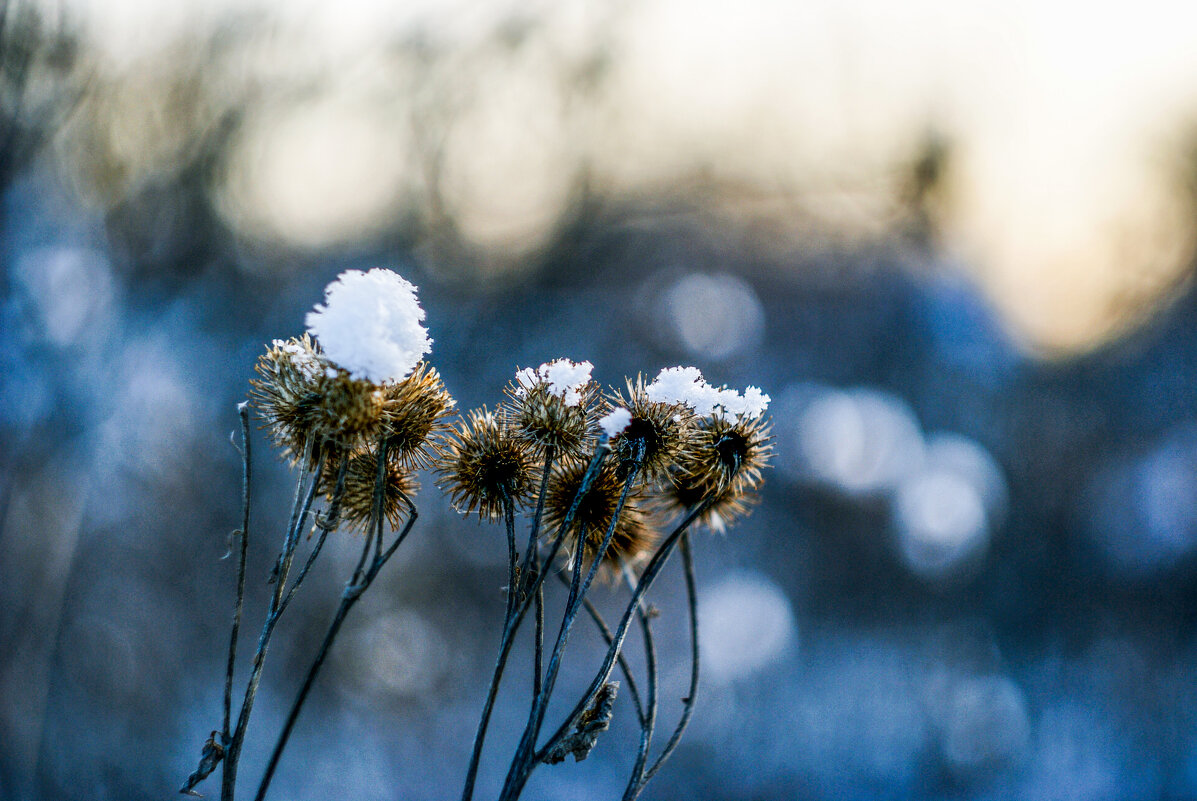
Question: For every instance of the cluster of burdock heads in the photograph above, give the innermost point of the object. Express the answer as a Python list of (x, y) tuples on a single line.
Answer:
[(609, 485)]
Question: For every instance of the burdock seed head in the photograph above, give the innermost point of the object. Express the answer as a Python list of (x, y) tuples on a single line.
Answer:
[(684, 492), (357, 499), (306, 400), (288, 390), (483, 463), (730, 450), (546, 418), (660, 431), (413, 416), (350, 409), (725, 466), (632, 539)]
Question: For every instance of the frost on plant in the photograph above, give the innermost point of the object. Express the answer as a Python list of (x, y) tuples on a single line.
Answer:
[(607, 485), (564, 379), (685, 385), (370, 326), (615, 421)]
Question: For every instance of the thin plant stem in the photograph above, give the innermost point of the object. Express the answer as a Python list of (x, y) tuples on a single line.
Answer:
[(233, 752), (512, 556), (538, 652), (525, 758), (532, 563), (239, 604), (534, 532), (604, 629), (511, 626), (331, 520), (651, 571), (688, 701), (355, 587), (649, 720)]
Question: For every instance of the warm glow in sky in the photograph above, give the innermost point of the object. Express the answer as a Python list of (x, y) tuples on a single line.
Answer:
[(1067, 121)]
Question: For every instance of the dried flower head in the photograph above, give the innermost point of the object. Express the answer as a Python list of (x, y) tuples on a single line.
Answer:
[(307, 401), (729, 450), (361, 477), (369, 325), (725, 465), (546, 418), (662, 432), (413, 415), (287, 391), (349, 410), (484, 463), (632, 539), (685, 492)]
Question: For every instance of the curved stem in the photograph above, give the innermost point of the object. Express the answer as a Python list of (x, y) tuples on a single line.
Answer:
[(692, 695), (354, 589), (525, 757), (538, 652), (651, 571), (331, 520), (649, 721), (233, 752), (505, 643), (239, 605), (601, 625), (510, 627), (512, 556)]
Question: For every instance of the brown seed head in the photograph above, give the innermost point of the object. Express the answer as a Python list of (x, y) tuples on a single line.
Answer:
[(632, 539), (543, 419), (361, 476), (413, 416), (663, 432), (350, 410), (730, 450), (288, 390), (726, 465), (685, 492), (483, 462)]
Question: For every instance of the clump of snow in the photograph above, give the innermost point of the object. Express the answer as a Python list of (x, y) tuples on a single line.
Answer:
[(686, 385), (369, 325), (616, 421), (683, 385), (566, 379), (751, 404)]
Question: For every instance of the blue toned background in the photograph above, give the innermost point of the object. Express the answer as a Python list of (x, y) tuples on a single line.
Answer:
[(973, 572)]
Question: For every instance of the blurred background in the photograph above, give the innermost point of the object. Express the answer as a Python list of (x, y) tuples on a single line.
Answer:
[(954, 241)]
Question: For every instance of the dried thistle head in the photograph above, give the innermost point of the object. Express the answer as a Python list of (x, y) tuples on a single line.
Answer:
[(288, 390), (684, 492), (725, 467), (729, 450), (662, 432), (307, 400), (483, 463), (361, 477), (413, 416), (546, 419), (349, 410), (632, 539)]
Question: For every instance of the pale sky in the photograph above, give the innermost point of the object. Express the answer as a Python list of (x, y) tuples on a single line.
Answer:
[(1066, 118)]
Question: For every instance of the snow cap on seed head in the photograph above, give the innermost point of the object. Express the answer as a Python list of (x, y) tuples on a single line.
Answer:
[(616, 421), (369, 325), (565, 379), (686, 385)]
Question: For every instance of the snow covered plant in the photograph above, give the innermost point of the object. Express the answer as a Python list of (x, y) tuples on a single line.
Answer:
[(597, 474), (356, 411)]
